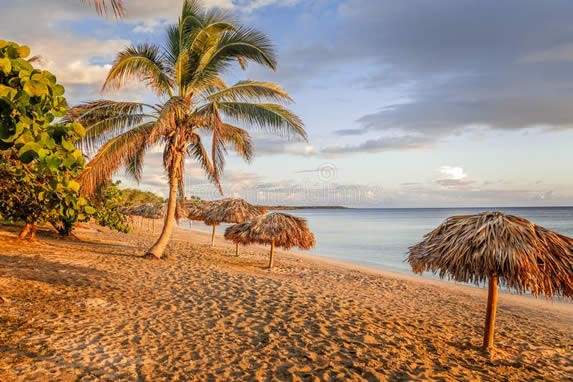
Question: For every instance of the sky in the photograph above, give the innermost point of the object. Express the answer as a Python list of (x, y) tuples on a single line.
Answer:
[(406, 103)]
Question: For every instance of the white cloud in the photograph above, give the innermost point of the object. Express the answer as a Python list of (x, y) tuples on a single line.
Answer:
[(452, 172), (453, 176)]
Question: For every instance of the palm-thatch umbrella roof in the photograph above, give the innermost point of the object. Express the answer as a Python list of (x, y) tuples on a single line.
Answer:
[(147, 210), (197, 210), (277, 229), (151, 211), (231, 211), (496, 247)]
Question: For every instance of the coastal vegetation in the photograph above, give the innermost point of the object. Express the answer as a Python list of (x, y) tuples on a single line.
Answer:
[(185, 72), (39, 162)]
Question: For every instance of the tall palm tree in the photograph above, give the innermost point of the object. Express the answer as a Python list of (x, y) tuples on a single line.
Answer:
[(193, 101), (103, 6)]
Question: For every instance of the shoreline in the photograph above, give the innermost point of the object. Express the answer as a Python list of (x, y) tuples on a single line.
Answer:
[(474, 290)]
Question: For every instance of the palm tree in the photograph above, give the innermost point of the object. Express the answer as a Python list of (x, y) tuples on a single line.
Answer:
[(185, 73), (103, 6)]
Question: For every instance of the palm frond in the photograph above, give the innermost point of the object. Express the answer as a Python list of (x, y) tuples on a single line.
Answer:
[(239, 139), (249, 44), (265, 116), (105, 119), (103, 7), (196, 150), (246, 91), (143, 62), (241, 45), (115, 154)]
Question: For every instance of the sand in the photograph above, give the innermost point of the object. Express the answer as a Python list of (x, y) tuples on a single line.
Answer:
[(92, 310)]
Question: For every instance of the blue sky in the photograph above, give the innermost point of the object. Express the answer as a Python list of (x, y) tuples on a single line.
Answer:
[(407, 104)]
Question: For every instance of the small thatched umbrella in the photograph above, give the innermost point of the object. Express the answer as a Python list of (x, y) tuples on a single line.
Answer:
[(148, 210), (231, 211), (498, 248), (151, 211), (276, 229), (198, 211)]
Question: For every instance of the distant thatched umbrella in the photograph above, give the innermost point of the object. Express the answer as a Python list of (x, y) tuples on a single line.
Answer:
[(231, 211), (148, 210), (276, 229), (151, 211), (199, 210), (499, 248), (196, 211)]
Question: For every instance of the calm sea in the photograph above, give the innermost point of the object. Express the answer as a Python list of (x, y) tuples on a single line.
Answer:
[(379, 238)]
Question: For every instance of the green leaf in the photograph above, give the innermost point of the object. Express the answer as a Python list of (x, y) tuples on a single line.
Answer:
[(58, 90), (52, 162), (79, 129), (5, 65), (30, 147), (23, 51), (36, 88), (90, 210), (74, 186), (7, 92), (67, 145)]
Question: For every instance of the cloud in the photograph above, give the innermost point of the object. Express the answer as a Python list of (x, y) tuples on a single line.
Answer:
[(453, 176), (272, 145), (347, 132), (453, 64), (389, 143)]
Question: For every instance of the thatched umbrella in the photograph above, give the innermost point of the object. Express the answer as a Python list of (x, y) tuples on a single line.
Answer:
[(199, 210), (498, 248), (151, 211), (148, 210), (231, 211), (276, 229), (196, 211)]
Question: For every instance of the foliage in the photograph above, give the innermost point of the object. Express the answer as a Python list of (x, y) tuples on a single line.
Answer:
[(134, 197), (108, 202), (103, 7), (38, 159)]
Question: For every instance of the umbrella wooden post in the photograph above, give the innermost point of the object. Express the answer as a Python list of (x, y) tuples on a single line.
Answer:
[(272, 254), (237, 249), (213, 236), (490, 313)]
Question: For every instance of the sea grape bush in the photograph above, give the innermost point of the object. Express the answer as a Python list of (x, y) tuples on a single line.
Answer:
[(38, 158), (108, 202)]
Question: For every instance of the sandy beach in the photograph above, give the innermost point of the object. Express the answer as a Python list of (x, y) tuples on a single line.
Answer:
[(92, 310)]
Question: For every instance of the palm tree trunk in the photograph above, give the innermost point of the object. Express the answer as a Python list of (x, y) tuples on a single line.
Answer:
[(213, 236), (156, 251), (272, 255), (490, 314)]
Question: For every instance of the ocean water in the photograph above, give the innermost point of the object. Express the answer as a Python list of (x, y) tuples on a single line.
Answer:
[(379, 237)]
